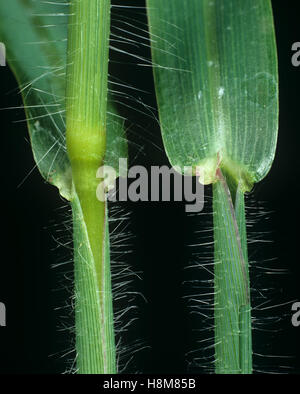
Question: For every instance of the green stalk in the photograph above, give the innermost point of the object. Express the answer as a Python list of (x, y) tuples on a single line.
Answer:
[(86, 104), (233, 343)]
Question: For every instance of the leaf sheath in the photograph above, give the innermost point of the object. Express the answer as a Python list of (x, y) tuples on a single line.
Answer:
[(233, 343)]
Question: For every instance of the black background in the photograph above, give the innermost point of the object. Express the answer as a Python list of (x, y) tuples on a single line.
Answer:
[(37, 338)]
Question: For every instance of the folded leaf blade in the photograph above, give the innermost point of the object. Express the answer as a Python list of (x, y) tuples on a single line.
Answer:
[(36, 52), (216, 68)]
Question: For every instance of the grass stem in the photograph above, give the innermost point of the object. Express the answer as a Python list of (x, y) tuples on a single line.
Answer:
[(86, 106), (233, 341)]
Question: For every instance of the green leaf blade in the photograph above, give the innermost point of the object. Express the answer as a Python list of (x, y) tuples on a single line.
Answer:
[(36, 52), (216, 68)]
